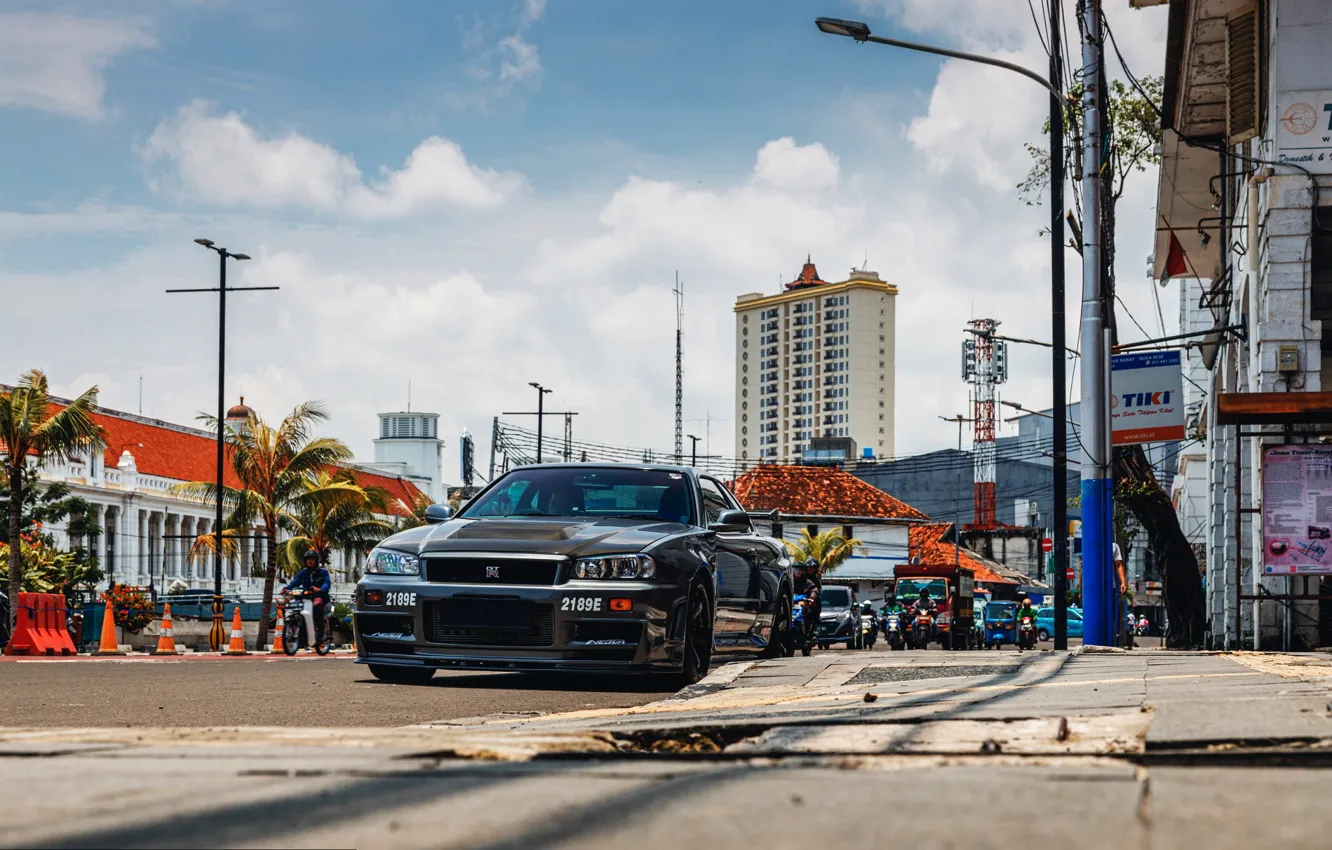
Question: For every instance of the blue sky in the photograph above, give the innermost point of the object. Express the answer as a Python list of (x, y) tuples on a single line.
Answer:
[(474, 195)]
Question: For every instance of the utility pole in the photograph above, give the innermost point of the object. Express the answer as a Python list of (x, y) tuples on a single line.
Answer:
[(1098, 600), (679, 368), (541, 415), (216, 634), (1058, 380), (693, 450), (957, 504)]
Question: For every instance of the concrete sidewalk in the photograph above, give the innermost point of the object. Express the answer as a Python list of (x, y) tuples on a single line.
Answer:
[(1147, 749)]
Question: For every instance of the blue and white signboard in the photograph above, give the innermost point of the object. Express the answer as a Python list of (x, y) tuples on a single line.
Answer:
[(1146, 398)]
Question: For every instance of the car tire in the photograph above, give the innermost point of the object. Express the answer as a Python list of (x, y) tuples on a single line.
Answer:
[(402, 675), (698, 637), (1043, 634), (781, 625)]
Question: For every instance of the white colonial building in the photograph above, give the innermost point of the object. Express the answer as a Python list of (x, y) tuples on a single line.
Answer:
[(147, 528)]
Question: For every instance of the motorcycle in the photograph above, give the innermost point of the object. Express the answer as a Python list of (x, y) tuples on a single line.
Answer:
[(869, 630), (299, 628), (922, 628), (892, 631), (798, 637), (1026, 638)]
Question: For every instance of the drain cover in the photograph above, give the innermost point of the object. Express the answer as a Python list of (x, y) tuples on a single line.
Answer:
[(873, 675)]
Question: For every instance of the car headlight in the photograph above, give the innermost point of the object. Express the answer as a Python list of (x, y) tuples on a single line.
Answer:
[(616, 566), (391, 563)]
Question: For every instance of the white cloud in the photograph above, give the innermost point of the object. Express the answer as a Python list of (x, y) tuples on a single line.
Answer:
[(782, 164), (55, 62), (519, 59), (533, 11), (222, 160)]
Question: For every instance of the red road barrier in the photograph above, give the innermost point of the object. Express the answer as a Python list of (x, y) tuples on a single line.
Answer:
[(41, 626)]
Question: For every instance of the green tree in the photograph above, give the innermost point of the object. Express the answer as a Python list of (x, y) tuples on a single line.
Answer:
[(828, 548), (274, 465), (34, 430), (1130, 146), (334, 513), (413, 515)]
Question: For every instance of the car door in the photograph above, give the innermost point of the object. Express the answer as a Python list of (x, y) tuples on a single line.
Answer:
[(737, 559)]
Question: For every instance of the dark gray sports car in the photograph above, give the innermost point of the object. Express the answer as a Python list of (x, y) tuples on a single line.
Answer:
[(586, 567)]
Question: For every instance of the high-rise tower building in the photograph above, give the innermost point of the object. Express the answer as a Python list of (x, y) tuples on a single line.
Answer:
[(815, 360)]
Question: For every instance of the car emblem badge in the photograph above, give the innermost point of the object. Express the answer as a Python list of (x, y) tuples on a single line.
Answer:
[(492, 572)]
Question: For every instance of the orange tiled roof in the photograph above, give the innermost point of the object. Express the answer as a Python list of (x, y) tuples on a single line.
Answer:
[(809, 276), (816, 491), (926, 545), (186, 454)]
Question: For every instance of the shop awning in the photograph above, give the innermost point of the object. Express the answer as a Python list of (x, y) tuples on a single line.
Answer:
[(1273, 408)]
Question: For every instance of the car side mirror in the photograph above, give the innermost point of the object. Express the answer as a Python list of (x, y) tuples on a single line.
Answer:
[(436, 514), (731, 521)]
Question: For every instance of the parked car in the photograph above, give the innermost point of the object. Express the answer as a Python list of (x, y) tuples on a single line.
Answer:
[(840, 620), (1045, 623), (576, 567)]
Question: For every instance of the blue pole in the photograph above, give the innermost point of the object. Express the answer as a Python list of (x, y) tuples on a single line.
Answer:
[(1098, 597)]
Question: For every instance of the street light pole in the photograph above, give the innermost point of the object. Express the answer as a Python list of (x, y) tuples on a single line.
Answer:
[(693, 450), (541, 417), (1098, 600), (217, 634), (861, 32)]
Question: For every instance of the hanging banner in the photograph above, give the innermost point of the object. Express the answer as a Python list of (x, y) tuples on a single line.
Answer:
[(1146, 398), (1297, 509)]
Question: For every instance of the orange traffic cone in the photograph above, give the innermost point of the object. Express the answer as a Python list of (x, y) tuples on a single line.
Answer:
[(237, 645), (278, 648), (166, 639), (108, 644)]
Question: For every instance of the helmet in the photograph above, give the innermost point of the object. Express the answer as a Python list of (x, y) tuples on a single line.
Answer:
[(924, 593), (310, 553), (1026, 600), (812, 564)]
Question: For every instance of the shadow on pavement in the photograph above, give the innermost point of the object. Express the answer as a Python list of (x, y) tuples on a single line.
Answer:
[(585, 682)]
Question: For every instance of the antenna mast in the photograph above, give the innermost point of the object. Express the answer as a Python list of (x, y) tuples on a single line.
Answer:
[(679, 369)]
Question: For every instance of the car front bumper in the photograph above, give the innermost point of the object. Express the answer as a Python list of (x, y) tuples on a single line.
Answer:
[(570, 626)]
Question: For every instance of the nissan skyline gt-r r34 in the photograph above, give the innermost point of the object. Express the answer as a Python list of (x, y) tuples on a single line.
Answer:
[(578, 567)]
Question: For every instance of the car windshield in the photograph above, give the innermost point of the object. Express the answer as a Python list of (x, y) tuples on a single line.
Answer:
[(585, 492), (1000, 610), (834, 597), (908, 589)]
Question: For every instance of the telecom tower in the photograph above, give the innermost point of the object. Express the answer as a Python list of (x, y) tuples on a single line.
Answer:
[(985, 367), (679, 370)]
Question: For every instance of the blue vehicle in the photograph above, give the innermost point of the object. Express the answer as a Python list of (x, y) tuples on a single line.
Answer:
[(1045, 623), (799, 638), (1000, 624)]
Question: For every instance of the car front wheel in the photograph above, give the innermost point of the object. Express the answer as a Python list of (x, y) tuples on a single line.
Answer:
[(698, 637)]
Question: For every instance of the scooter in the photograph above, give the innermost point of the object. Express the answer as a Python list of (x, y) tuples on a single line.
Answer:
[(798, 637), (869, 631), (298, 629), (922, 628), (1026, 637), (892, 631)]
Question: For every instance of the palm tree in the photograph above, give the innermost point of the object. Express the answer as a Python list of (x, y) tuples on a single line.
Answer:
[(828, 548), (274, 465), (413, 515), (31, 427), (335, 512)]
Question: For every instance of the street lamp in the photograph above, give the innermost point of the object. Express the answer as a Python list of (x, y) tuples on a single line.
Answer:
[(216, 634), (861, 32), (693, 450), (541, 397)]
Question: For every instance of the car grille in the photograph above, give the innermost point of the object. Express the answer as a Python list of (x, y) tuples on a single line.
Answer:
[(492, 571), (481, 621)]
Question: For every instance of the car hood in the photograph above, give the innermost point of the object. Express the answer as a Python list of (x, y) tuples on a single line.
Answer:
[(537, 535)]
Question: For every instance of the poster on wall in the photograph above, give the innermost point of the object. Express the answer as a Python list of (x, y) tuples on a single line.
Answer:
[(1304, 129), (1146, 398), (1297, 509)]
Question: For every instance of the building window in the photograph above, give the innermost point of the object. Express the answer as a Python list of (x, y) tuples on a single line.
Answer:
[(1320, 265)]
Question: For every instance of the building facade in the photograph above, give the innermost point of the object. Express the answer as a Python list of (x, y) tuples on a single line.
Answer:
[(813, 361), (408, 446), (147, 527), (1244, 212)]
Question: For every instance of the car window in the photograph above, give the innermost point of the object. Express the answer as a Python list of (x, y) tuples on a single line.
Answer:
[(714, 502), (1074, 615), (1045, 612), (836, 597), (586, 491)]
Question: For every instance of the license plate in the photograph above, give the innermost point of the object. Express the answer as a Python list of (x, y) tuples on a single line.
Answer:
[(582, 603)]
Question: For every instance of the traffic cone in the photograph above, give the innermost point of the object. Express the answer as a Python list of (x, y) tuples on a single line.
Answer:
[(237, 645), (278, 648), (108, 644), (166, 639)]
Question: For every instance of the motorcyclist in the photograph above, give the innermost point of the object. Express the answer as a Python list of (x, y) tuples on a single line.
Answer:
[(923, 603), (1026, 610), (313, 578)]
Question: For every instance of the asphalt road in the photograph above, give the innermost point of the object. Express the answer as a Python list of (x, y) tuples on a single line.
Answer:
[(283, 692)]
